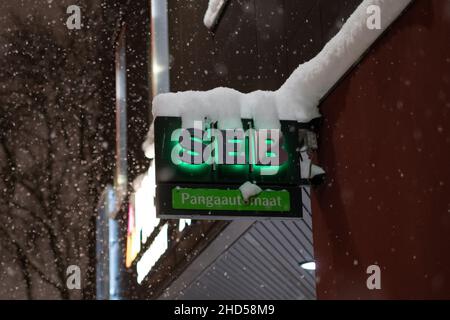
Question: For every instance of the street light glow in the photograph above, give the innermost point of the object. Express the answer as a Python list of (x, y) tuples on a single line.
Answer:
[(309, 265)]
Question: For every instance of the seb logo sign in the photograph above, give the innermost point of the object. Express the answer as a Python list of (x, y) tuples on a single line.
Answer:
[(199, 170), (211, 146)]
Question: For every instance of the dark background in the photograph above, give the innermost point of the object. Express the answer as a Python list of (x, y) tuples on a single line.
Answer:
[(57, 136)]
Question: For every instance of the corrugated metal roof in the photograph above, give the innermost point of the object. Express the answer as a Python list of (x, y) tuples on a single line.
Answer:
[(263, 263)]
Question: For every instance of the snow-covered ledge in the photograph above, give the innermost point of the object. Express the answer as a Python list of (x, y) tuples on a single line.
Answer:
[(298, 98)]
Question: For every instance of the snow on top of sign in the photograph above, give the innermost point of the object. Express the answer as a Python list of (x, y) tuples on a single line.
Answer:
[(298, 98), (215, 7), (217, 104)]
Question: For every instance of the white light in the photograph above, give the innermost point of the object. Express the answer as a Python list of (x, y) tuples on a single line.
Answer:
[(183, 223), (157, 68), (145, 210), (311, 266), (152, 255)]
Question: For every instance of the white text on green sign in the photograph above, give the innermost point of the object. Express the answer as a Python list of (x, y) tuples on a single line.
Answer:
[(229, 200)]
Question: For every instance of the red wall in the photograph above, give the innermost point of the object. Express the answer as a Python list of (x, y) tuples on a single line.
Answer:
[(385, 145)]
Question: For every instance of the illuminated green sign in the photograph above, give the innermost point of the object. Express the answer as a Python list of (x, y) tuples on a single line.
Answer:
[(229, 200), (199, 170), (216, 156), (196, 146)]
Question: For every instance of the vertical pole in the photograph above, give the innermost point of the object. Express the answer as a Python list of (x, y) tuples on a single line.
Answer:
[(160, 47), (102, 245), (121, 179), (116, 198), (114, 252)]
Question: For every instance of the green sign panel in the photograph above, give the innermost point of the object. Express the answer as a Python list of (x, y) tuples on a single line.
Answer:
[(229, 200), (177, 164), (199, 170)]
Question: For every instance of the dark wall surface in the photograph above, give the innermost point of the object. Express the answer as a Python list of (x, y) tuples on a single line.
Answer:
[(255, 46), (385, 145)]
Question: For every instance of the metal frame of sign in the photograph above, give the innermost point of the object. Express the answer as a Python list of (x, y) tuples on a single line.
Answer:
[(170, 177), (166, 210)]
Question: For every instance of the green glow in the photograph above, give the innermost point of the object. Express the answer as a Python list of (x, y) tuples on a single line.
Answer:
[(252, 161), (238, 167), (197, 139), (192, 153), (242, 168), (193, 167), (184, 165)]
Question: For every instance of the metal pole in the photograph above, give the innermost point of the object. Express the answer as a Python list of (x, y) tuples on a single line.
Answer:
[(102, 247), (121, 179), (160, 47)]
